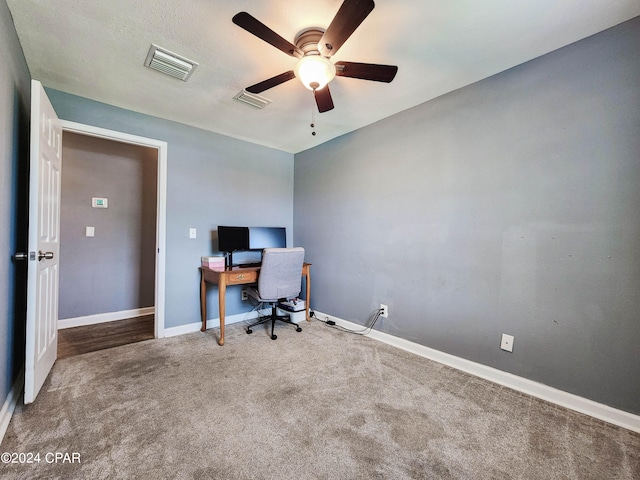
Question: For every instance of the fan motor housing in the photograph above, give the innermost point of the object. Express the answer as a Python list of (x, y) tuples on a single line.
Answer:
[(307, 40)]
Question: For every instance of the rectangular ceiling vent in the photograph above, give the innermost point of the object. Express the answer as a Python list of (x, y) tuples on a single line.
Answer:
[(170, 63), (252, 99)]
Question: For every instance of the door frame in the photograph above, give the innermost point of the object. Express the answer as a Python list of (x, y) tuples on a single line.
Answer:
[(161, 203)]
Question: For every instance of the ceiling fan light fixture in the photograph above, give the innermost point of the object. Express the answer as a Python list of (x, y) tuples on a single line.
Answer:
[(315, 71)]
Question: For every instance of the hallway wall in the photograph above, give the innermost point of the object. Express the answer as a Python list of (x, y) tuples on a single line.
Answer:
[(114, 270)]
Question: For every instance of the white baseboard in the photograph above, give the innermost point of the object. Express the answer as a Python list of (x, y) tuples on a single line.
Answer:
[(212, 323), (104, 317), (10, 404), (229, 319), (559, 397)]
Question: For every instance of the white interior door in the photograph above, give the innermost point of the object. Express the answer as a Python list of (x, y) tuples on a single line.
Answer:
[(44, 242)]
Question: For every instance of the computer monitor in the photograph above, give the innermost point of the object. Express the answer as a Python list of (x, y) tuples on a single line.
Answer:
[(267, 237), (247, 241), (233, 239)]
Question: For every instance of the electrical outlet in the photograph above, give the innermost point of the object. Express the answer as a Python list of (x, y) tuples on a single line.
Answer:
[(384, 310), (507, 343), (245, 295)]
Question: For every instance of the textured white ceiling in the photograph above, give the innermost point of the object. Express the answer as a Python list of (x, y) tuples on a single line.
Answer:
[(96, 49)]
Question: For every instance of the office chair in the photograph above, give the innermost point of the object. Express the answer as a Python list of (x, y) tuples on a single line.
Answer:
[(280, 279)]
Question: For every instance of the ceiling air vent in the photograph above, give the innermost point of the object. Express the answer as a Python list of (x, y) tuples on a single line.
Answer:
[(169, 63), (252, 99)]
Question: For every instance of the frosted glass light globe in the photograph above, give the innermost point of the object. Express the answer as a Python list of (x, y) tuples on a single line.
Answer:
[(315, 71)]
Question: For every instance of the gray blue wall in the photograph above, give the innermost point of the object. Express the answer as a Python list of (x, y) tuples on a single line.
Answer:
[(211, 180), (509, 206), (114, 270), (15, 99)]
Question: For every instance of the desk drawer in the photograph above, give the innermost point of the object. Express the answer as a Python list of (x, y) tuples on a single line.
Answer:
[(242, 277)]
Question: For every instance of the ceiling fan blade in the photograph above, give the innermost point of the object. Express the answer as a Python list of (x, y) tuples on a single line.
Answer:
[(260, 30), (349, 17), (323, 99), (271, 82), (367, 71)]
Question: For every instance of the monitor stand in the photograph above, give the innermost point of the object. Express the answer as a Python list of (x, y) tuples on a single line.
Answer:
[(229, 262)]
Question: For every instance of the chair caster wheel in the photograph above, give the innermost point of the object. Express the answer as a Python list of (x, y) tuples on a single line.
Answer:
[(249, 331), (273, 337), (298, 329)]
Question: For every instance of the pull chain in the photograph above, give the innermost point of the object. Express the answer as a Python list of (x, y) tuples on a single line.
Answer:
[(313, 115)]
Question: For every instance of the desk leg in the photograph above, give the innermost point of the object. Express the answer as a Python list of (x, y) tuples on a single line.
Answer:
[(308, 295), (203, 302), (222, 292)]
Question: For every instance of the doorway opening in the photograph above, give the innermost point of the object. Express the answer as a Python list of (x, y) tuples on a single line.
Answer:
[(116, 215)]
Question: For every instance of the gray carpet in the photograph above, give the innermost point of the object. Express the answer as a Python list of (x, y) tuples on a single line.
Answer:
[(319, 404)]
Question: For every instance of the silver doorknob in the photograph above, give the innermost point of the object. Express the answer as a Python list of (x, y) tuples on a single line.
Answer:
[(44, 255)]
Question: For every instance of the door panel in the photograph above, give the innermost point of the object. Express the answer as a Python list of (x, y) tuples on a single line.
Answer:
[(44, 242)]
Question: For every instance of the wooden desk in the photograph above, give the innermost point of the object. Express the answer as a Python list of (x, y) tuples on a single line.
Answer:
[(236, 276)]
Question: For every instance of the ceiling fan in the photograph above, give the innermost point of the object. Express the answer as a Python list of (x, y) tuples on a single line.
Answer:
[(313, 47)]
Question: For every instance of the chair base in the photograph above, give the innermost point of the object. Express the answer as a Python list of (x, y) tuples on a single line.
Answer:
[(273, 317)]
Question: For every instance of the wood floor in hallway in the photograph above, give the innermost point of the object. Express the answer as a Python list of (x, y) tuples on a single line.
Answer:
[(89, 338)]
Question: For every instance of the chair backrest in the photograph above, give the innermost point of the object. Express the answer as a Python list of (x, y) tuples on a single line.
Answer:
[(280, 273)]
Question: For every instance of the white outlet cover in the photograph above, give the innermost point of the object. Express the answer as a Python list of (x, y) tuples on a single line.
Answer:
[(507, 343), (193, 233), (89, 231)]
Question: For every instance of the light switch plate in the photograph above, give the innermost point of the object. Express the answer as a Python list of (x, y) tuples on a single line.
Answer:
[(192, 233), (89, 231)]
